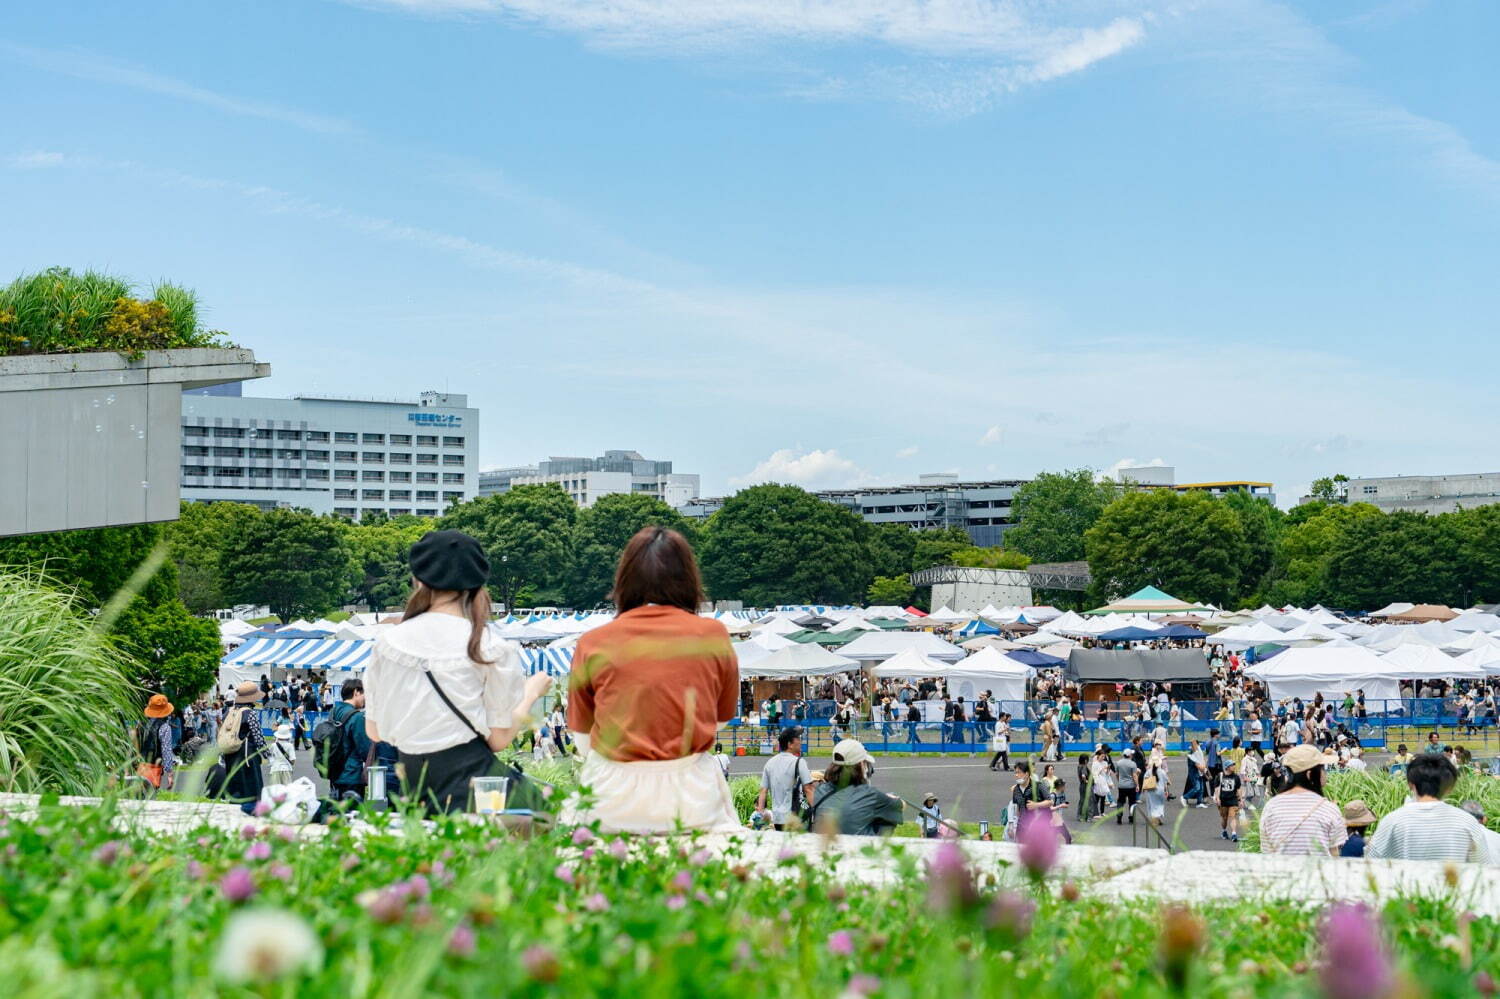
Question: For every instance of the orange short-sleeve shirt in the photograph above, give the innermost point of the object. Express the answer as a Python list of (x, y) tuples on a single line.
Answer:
[(653, 684)]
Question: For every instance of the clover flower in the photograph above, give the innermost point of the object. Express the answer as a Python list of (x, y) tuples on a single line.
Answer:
[(261, 945), (841, 943), (1355, 963), (541, 964), (565, 874), (237, 885), (950, 881), (1038, 844), (109, 852), (1010, 914), (1182, 937), (583, 836), (461, 941), (596, 903), (259, 850)]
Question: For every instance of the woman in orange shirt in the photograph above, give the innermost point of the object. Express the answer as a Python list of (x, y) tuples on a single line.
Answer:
[(646, 696)]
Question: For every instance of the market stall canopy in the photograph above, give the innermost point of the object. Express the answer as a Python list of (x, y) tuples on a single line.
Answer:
[(1148, 600), (878, 646), (1182, 632), (978, 626), (552, 660), (1332, 670), (832, 639), (911, 663), (758, 647), (1486, 658), (1424, 612), (947, 615), (796, 661), (1423, 662), (1134, 665), (1243, 636), (1034, 659), (991, 642), (1475, 621), (1395, 608), (1130, 635)]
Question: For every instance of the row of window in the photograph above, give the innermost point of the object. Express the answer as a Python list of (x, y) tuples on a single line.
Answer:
[(395, 495), (353, 514), (319, 436), (286, 454), (287, 474)]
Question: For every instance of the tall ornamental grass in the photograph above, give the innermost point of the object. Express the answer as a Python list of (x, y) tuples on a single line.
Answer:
[(65, 693)]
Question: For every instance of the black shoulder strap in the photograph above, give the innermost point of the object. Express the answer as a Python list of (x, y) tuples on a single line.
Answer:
[(451, 707)]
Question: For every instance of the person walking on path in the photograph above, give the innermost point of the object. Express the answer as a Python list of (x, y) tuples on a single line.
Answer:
[(242, 745), (1127, 773), (647, 694), (1000, 743), (154, 741), (1426, 827), (785, 780), (440, 688)]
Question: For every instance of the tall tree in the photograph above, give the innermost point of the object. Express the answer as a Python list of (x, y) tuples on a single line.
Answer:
[(1478, 534), (381, 549), (291, 561), (180, 652), (1397, 556), (776, 544), (1299, 575), (1188, 544), (600, 535), (527, 533), (889, 548), (1053, 511), (936, 546), (195, 540), (1262, 524), (886, 591)]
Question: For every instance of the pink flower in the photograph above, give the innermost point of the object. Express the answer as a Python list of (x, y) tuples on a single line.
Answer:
[(841, 944), (565, 874), (596, 903), (862, 985), (950, 882), (237, 885), (1010, 914), (675, 902), (258, 850), (387, 905), (349, 863), (700, 858), (194, 870), (1355, 964), (109, 852), (682, 880), (418, 886), (248, 831), (1038, 844), (281, 872), (582, 836), (204, 842), (287, 834), (461, 943), (278, 795), (619, 849), (262, 809), (787, 855), (588, 853), (540, 963)]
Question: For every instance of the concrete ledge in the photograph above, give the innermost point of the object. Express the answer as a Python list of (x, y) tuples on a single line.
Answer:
[(1108, 873), (193, 367)]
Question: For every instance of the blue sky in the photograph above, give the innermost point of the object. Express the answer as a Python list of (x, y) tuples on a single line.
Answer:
[(825, 242)]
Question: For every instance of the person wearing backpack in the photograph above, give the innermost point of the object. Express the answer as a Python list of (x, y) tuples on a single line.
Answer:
[(341, 745), (242, 746), (154, 742)]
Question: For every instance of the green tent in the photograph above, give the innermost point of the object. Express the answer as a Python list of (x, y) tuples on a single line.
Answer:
[(1148, 600)]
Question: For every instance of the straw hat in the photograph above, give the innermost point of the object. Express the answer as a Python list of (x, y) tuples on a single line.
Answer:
[(1357, 813), (159, 706), (1303, 757), (247, 693)]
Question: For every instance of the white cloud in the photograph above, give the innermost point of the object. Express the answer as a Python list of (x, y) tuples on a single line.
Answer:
[(1113, 471), (971, 51), (994, 435), (809, 469), (37, 159), (908, 452), (88, 66)]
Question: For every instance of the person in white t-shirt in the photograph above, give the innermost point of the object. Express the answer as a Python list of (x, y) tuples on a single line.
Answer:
[(1491, 838), (722, 758), (785, 780), (1426, 827)]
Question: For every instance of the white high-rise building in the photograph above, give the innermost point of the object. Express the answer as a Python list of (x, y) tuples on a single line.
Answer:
[(587, 479)]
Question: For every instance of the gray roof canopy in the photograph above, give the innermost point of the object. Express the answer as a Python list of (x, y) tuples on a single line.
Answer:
[(1134, 665)]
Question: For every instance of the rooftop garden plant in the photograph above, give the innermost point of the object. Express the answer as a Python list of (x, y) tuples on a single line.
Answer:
[(59, 311)]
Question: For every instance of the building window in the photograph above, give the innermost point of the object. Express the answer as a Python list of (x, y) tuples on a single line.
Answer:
[(426, 476), (400, 511), (192, 431), (373, 458), (229, 473), (289, 435), (453, 442), (343, 494), (259, 473), (426, 440), (260, 452), (320, 474), (345, 456), (400, 494), (1369, 490), (372, 438), (345, 437), (289, 473), (316, 455), (428, 459), (344, 475), (450, 497), (229, 452), (287, 454), (400, 439), (344, 511), (453, 477), (225, 432), (430, 495), (400, 457), (400, 476), (318, 436), (453, 459), (373, 494), (194, 451), (194, 470), (371, 475), (426, 513)]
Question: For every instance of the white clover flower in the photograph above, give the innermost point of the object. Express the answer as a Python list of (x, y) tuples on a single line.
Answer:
[(262, 944)]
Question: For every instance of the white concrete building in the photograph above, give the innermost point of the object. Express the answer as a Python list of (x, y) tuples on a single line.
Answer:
[(587, 479), (1426, 493), (343, 456)]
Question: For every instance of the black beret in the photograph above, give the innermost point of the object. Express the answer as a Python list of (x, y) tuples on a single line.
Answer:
[(449, 560)]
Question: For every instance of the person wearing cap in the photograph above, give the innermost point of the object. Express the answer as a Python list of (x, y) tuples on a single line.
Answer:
[(282, 753), (1426, 827), (1491, 838), (785, 780), (848, 801), (647, 694), (440, 688), (154, 740), (243, 746), (930, 818), (1299, 821), (1357, 819)]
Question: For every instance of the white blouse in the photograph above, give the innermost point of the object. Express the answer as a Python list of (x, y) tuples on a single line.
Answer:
[(400, 700)]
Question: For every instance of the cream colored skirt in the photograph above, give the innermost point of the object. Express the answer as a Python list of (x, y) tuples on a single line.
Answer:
[(654, 796)]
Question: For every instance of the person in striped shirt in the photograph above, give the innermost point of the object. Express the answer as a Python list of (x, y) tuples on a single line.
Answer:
[(1299, 821), (1427, 828)]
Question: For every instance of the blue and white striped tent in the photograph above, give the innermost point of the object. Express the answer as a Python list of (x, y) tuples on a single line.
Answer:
[(554, 662), (301, 653)]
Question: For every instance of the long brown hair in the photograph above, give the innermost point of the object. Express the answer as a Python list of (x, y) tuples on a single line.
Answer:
[(476, 607), (658, 567)]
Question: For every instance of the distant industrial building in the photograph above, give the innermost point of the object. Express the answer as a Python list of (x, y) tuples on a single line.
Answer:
[(934, 501), (343, 456), (587, 479), (1165, 477), (1424, 493)]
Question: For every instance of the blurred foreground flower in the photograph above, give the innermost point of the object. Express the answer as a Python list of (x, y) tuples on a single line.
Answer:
[(541, 963), (1038, 843), (260, 945), (841, 944), (1355, 964), (1182, 937), (950, 881), (237, 885), (1010, 915)]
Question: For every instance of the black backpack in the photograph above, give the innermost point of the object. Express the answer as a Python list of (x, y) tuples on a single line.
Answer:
[(330, 745), (148, 739)]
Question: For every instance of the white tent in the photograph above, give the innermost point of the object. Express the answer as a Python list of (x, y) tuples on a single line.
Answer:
[(777, 626), (886, 611), (1069, 621), (1486, 658), (1472, 640), (946, 615), (1424, 662), (988, 669), (796, 661), (911, 663), (1309, 633), (758, 647), (1475, 621), (1242, 636), (878, 646), (1332, 670), (1398, 607), (1040, 613)]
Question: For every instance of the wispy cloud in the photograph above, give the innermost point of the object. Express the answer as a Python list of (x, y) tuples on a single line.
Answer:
[(90, 66), (994, 435), (908, 452), (815, 469), (970, 51)]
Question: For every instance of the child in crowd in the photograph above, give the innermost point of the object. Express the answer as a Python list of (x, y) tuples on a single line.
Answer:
[(1357, 820), (1058, 796)]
